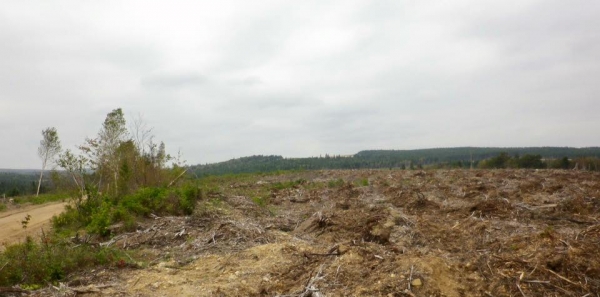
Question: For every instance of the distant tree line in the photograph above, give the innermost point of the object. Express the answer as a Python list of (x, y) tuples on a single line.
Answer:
[(504, 160), (462, 157), (14, 184)]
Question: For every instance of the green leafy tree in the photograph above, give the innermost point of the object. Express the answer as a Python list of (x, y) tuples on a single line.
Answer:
[(530, 161), (500, 161), (564, 163), (103, 151), (49, 148), (76, 167), (122, 160)]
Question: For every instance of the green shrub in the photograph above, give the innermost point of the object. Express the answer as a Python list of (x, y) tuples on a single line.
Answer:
[(32, 264), (288, 184), (260, 201), (362, 182), (144, 201), (335, 183), (97, 215), (70, 218), (101, 219), (188, 198)]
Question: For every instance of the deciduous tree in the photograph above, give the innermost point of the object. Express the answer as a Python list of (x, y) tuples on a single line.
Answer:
[(103, 151), (76, 168), (49, 148)]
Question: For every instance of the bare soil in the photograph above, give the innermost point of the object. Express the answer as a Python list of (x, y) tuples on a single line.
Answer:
[(11, 228), (407, 233)]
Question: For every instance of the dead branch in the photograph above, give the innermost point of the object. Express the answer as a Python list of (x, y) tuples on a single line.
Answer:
[(563, 278), (90, 289), (535, 281), (519, 285), (177, 178), (334, 251), (310, 290), (411, 275)]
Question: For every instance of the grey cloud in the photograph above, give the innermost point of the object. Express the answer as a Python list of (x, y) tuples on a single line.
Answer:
[(229, 79), (251, 80), (168, 81), (256, 40), (272, 102)]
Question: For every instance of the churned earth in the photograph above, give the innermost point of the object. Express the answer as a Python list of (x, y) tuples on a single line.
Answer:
[(368, 233)]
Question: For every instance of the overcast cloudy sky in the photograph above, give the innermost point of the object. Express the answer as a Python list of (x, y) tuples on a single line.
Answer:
[(226, 79)]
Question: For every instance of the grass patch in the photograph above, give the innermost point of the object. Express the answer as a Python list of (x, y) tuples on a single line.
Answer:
[(362, 182), (289, 184), (42, 198), (335, 183), (45, 198), (209, 208), (260, 201)]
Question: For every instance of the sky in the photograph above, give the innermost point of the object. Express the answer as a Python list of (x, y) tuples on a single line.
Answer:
[(226, 79)]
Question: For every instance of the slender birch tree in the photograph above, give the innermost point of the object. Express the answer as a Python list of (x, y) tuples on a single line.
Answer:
[(75, 166), (49, 148), (102, 151)]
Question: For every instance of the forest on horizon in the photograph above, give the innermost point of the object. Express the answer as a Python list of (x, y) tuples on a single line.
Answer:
[(23, 182), (456, 157)]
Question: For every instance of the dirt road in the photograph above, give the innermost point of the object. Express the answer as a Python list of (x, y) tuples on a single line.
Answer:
[(11, 229)]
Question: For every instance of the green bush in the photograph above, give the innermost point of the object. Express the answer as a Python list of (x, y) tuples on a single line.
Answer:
[(335, 183), (260, 201), (530, 161), (97, 215), (562, 163), (69, 218), (500, 161), (144, 201), (362, 182), (188, 198), (101, 219), (288, 184), (31, 263)]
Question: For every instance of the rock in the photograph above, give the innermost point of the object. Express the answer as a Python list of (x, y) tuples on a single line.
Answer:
[(416, 282)]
